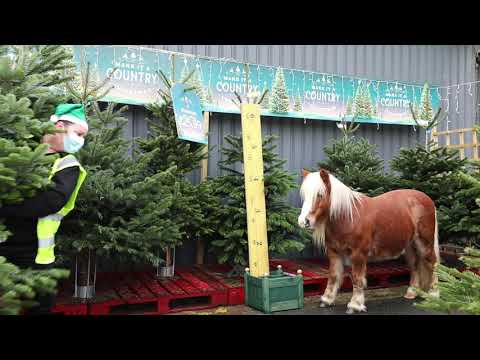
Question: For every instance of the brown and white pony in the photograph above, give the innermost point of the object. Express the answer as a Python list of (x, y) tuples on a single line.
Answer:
[(356, 229)]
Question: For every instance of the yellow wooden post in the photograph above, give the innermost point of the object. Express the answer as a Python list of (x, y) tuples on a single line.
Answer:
[(254, 190), (200, 251)]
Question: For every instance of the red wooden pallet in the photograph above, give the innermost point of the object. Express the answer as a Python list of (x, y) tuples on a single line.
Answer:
[(379, 275), (232, 285), (207, 286), (143, 292), (65, 304)]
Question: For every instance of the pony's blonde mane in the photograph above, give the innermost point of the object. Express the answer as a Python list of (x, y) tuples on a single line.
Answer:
[(343, 200)]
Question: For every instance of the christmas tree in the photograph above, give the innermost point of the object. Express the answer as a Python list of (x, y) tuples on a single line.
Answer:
[(436, 173), (426, 110), (111, 207), (19, 288), (459, 291), (28, 77), (194, 209), (194, 80), (356, 163), (284, 234), (460, 211), (123, 209), (166, 151), (163, 139), (278, 101)]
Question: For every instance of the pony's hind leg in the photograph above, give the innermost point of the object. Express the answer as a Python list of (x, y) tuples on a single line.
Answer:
[(428, 257), (359, 270), (411, 258), (335, 278)]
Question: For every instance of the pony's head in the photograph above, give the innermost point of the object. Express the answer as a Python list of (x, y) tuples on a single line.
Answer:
[(324, 196)]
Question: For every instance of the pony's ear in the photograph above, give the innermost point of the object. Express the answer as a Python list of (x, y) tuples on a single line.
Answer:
[(325, 175), (305, 173)]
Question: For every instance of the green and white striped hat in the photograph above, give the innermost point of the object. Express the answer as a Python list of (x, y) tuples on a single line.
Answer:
[(75, 113)]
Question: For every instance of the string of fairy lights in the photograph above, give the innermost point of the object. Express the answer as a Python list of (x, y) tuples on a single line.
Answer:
[(462, 96)]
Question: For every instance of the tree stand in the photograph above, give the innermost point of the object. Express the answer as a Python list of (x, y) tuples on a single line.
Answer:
[(85, 274), (275, 292), (169, 269)]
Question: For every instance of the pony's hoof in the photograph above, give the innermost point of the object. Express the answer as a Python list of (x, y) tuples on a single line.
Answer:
[(352, 308), (325, 302), (410, 294)]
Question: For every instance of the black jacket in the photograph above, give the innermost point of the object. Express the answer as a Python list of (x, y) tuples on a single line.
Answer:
[(21, 219)]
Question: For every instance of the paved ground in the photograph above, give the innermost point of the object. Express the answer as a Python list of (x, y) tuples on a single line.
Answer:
[(379, 302)]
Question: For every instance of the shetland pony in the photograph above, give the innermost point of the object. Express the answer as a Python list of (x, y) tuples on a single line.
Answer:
[(356, 229)]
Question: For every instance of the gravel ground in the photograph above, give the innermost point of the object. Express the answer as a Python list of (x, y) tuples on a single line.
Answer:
[(379, 302)]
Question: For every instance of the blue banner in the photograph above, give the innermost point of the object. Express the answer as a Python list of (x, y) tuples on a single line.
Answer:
[(292, 93), (188, 115)]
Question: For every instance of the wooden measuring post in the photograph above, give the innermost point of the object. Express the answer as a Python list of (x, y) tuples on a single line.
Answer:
[(254, 190), (200, 251)]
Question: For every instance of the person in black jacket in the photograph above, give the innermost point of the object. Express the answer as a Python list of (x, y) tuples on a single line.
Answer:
[(21, 219)]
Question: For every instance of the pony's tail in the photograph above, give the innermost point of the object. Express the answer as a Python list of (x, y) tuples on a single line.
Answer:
[(435, 242)]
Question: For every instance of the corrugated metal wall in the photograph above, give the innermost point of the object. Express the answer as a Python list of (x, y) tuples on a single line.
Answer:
[(301, 141)]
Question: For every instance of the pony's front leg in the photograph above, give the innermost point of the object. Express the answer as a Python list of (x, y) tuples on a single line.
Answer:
[(335, 279), (359, 269)]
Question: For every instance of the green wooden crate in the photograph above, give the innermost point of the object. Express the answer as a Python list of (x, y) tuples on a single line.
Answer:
[(276, 292)]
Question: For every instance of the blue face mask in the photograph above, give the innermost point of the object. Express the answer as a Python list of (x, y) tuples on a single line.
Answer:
[(72, 143)]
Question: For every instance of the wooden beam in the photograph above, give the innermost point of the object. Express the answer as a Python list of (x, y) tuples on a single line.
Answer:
[(475, 144), (434, 138), (455, 131)]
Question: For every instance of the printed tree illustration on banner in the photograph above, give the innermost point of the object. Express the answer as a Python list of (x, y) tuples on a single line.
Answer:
[(426, 110), (297, 106), (363, 102), (279, 99)]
